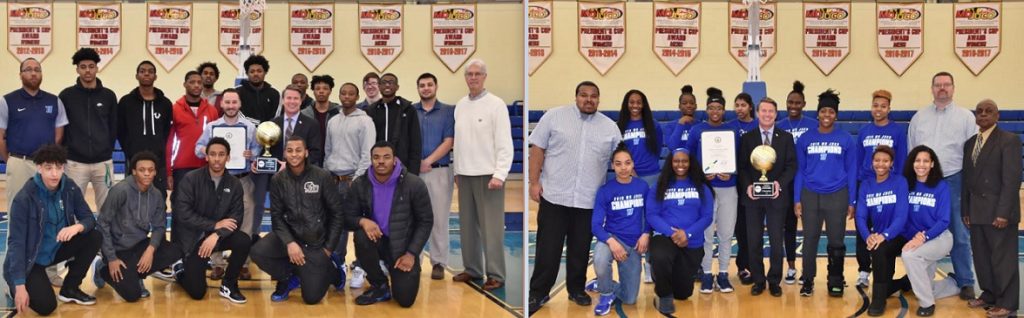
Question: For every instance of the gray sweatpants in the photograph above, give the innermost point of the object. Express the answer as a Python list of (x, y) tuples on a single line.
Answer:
[(920, 264), (440, 187), (482, 227), (724, 224)]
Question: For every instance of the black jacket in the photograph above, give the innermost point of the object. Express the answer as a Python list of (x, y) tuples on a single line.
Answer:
[(92, 122), (783, 171), (309, 130), (259, 104), (199, 205), (991, 185), (411, 214), (306, 208), (144, 124), (403, 130)]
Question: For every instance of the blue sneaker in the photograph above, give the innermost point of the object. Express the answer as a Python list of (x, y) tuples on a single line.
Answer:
[(604, 304), (145, 292), (375, 295), (591, 286), (284, 288), (723, 282), (342, 271), (97, 267), (707, 283)]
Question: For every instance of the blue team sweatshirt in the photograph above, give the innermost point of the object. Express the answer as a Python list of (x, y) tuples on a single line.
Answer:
[(635, 137), (797, 127), (693, 144), (929, 210), (682, 209), (744, 127), (869, 136), (679, 136), (885, 204), (619, 211), (827, 163)]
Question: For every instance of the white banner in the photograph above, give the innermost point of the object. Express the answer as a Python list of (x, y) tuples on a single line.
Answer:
[(311, 26), (169, 32), (230, 31), (602, 33), (977, 33), (540, 33), (381, 35), (676, 34), (454, 33), (827, 34), (900, 34), (739, 30), (30, 30), (99, 27)]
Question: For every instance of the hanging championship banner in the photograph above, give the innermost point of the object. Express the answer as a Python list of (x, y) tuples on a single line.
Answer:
[(169, 32), (900, 34), (977, 33), (676, 34), (30, 30), (602, 29), (539, 33), (311, 26), (739, 29), (99, 27), (230, 31), (454, 29), (380, 33), (827, 34)]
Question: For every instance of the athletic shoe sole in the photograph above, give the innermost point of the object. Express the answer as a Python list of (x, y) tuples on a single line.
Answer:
[(227, 295), (77, 301)]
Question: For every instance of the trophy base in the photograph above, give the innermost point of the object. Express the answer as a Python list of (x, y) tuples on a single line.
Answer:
[(266, 165), (763, 189)]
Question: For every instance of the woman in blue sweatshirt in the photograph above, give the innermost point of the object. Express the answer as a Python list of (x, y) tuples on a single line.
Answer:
[(622, 233), (927, 229), (726, 197), (826, 188), (679, 209), (796, 124), (641, 135), (681, 130), (881, 215), (743, 106), (745, 122), (881, 131)]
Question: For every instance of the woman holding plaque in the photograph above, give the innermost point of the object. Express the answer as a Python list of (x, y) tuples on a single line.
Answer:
[(641, 134), (881, 215), (679, 209), (724, 184), (744, 122), (795, 124), (688, 108), (825, 192), (927, 229)]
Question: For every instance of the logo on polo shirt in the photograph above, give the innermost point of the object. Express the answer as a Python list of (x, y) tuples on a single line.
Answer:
[(21, 109), (311, 187), (49, 109)]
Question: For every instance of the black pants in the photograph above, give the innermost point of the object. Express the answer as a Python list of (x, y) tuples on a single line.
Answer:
[(883, 259), (193, 279), (316, 276), (775, 220), (82, 248), (828, 210), (995, 261), (863, 255), (559, 226), (673, 267), (789, 233), (742, 244), (128, 287), (404, 285), (260, 186), (178, 175)]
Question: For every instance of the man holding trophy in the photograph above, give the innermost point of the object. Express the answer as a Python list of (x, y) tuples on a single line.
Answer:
[(770, 169)]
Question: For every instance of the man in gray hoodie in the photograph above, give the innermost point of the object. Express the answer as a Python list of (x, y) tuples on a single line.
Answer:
[(350, 135), (133, 221)]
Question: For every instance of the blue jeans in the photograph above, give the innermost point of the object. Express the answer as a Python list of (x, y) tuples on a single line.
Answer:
[(961, 253), (629, 273)]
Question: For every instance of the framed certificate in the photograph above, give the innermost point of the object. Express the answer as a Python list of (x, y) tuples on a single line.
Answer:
[(236, 138), (718, 152)]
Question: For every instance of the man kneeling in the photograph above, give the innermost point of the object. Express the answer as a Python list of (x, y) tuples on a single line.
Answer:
[(133, 221), (392, 210), (306, 216)]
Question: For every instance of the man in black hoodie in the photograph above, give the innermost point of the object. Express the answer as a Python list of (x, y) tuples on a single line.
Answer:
[(397, 123), (92, 126), (260, 101), (144, 122)]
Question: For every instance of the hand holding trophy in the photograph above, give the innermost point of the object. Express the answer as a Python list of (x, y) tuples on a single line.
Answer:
[(763, 158), (267, 134)]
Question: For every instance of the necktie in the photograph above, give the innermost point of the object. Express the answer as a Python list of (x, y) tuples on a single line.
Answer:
[(288, 132), (767, 140), (977, 148)]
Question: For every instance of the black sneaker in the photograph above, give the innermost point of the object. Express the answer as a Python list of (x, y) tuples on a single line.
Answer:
[(926, 311), (757, 289), (876, 308), (374, 295), (836, 290), (745, 277), (775, 290), (75, 295), (807, 290), (581, 299), (536, 303), (231, 293)]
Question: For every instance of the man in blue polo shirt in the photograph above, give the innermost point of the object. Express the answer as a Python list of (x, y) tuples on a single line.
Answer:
[(437, 124), (26, 116)]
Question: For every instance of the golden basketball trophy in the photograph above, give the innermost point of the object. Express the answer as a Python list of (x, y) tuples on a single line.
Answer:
[(267, 134), (763, 158)]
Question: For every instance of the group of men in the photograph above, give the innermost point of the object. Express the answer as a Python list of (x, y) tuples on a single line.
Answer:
[(569, 158), (384, 168)]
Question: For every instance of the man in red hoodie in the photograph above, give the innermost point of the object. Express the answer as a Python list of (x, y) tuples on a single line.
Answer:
[(189, 114)]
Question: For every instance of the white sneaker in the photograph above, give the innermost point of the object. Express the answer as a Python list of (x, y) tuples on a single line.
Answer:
[(648, 279), (791, 277), (863, 279), (357, 277)]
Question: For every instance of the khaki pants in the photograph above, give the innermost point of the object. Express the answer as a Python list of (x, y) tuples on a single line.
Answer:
[(19, 171), (100, 175), (439, 186)]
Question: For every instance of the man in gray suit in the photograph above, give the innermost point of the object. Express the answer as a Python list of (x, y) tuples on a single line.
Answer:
[(991, 209)]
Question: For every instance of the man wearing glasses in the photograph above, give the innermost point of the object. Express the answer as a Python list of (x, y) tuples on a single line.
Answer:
[(397, 122)]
